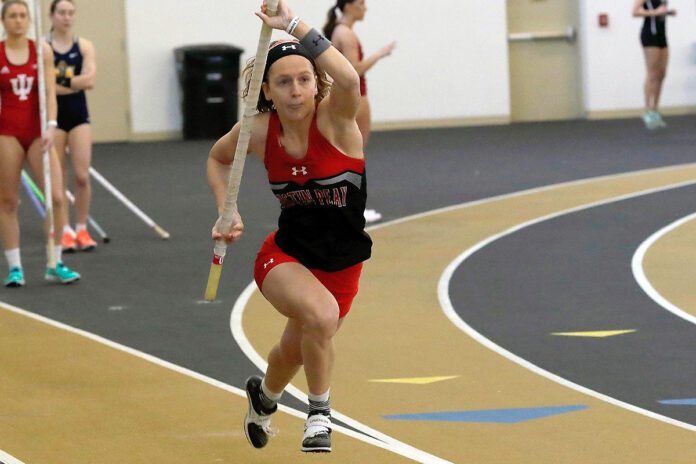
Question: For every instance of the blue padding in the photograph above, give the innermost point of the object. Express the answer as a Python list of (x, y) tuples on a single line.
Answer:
[(500, 416), (684, 401)]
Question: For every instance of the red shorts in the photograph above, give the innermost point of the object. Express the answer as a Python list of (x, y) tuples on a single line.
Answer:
[(343, 284), (24, 140)]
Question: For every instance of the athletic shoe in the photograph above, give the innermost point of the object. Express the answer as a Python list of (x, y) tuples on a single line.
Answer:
[(650, 119), (659, 121), (372, 216), (68, 242), (16, 278), (317, 434), (84, 241), (258, 418), (62, 274)]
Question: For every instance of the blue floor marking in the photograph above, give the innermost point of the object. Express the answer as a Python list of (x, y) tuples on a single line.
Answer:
[(500, 416), (684, 401)]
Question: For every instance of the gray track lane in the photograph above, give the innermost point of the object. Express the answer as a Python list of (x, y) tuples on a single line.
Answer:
[(573, 274)]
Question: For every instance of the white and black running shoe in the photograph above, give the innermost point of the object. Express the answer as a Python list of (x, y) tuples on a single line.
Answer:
[(317, 434), (257, 423)]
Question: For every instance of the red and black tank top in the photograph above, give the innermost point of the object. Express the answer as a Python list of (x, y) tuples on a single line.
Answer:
[(19, 95), (322, 199)]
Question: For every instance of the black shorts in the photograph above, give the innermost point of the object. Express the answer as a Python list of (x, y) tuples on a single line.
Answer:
[(648, 39), (72, 111)]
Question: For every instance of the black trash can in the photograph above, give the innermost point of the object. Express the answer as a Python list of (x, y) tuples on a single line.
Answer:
[(208, 78)]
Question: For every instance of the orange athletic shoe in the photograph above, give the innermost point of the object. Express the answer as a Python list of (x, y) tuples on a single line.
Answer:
[(68, 242), (84, 241)]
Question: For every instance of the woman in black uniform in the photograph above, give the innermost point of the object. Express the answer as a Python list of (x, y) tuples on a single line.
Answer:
[(75, 72), (309, 269), (654, 39)]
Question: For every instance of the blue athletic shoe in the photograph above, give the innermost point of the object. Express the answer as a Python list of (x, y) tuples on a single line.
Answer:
[(652, 120), (62, 274), (16, 278)]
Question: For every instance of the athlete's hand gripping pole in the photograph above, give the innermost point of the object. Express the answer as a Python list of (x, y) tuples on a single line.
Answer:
[(44, 125), (235, 178)]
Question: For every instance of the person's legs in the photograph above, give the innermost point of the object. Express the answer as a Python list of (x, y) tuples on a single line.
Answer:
[(652, 86), (285, 358), (66, 236), (80, 143), (294, 291), (661, 72), (313, 319), (35, 155), (11, 161)]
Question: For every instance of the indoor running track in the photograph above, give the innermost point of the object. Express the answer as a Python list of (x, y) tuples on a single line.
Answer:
[(542, 323)]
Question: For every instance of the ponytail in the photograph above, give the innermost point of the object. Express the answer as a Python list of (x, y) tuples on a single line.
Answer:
[(330, 22)]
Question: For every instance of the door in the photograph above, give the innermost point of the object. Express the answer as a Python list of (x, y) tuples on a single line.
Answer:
[(545, 71), (103, 23)]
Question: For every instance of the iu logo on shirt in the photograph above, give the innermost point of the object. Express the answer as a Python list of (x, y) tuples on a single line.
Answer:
[(302, 170), (22, 86)]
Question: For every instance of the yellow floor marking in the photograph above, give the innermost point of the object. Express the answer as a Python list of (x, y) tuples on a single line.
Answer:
[(596, 334), (417, 380), (396, 321)]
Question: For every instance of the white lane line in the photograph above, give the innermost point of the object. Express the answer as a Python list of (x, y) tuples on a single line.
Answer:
[(520, 193), (293, 412), (7, 459), (386, 444), (383, 441), (138, 354), (125, 349), (639, 273), (448, 308)]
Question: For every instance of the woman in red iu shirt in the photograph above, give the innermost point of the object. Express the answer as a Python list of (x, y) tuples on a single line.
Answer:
[(308, 269), (21, 138)]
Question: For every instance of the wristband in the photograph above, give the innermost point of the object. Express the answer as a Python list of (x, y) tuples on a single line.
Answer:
[(292, 25), (52, 123), (315, 43)]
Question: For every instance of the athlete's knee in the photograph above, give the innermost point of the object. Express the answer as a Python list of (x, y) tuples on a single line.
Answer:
[(9, 203), (58, 198), (81, 180), (321, 319)]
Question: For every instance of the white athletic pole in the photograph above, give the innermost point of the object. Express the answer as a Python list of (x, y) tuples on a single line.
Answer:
[(44, 124), (235, 178), (129, 204)]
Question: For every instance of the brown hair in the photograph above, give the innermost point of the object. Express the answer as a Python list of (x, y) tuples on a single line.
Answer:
[(55, 3), (265, 106), (8, 3), (331, 17)]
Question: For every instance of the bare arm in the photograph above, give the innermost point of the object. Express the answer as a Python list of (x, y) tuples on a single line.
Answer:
[(222, 154), (88, 75), (344, 98), (347, 43), (219, 164), (51, 103), (50, 79), (639, 11), (345, 90)]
